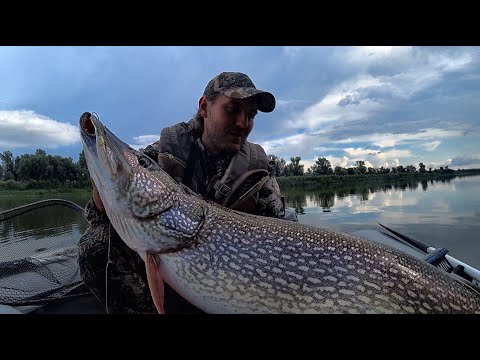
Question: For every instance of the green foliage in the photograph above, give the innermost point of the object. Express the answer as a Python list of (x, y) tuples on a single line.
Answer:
[(322, 167), (294, 168), (39, 170), (8, 162), (339, 181)]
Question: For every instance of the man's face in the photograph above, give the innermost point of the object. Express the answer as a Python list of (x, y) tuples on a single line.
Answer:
[(227, 124)]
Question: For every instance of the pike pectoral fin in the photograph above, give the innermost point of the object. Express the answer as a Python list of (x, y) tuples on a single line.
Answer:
[(155, 282)]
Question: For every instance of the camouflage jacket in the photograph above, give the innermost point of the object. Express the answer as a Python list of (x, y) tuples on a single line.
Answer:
[(242, 181)]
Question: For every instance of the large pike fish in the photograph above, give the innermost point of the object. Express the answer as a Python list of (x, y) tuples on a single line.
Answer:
[(224, 261)]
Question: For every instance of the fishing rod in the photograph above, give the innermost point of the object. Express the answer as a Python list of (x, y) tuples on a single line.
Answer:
[(440, 259)]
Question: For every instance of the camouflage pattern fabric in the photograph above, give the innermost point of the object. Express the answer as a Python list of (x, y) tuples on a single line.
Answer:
[(239, 86), (269, 200)]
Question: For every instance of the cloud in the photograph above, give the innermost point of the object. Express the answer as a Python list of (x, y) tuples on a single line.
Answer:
[(294, 145), (376, 159), (290, 103), (367, 55), (341, 162), (324, 149), (143, 141), (372, 91), (360, 152), (292, 50), (394, 154), (421, 102), (394, 60), (378, 93), (390, 139), (393, 163), (436, 165), (349, 99), (328, 110), (368, 164), (25, 128), (431, 145), (465, 162), (303, 144)]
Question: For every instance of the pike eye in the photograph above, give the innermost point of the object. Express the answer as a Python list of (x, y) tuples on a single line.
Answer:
[(144, 161)]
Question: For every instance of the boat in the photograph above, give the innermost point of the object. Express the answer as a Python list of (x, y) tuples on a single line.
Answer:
[(51, 283)]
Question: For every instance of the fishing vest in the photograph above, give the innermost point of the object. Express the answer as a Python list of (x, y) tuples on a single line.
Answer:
[(181, 154)]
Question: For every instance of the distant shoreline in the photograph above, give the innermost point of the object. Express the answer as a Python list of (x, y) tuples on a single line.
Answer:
[(46, 191), (315, 181), (310, 181)]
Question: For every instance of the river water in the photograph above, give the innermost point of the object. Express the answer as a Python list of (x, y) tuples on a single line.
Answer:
[(439, 213)]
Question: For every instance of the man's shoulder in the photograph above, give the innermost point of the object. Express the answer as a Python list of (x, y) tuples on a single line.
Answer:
[(181, 126), (258, 156), (169, 135), (177, 139), (259, 148)]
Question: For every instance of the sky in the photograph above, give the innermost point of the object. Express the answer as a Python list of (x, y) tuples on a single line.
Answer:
[(387, 106)]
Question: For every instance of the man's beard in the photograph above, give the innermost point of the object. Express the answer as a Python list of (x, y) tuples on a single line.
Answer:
[(215, 140)]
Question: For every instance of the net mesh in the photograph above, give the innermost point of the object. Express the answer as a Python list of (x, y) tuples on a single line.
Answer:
[(38, 253)]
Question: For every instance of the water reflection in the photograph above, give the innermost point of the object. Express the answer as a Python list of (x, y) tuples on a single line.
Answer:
[(424, 185), (10, 201), (325, 197), (442, 213), (41, 230)]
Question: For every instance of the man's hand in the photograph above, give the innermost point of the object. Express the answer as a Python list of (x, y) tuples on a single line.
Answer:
[(96, 198)]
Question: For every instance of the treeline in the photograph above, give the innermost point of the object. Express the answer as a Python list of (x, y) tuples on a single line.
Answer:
[(323, 167), (322, 174), (42, 171)]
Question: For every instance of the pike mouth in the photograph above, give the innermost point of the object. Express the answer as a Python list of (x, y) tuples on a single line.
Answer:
[(86, 124)]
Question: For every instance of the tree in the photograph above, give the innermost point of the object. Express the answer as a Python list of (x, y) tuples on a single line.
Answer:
[(410, 169), (361, 166), (294, 168), (340, 170), (40, 152), (8, 176), (421, 167), (83, 163), (322, 166), (8, 161)]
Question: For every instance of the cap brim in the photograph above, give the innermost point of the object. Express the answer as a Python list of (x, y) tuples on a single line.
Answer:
[(265, 100)]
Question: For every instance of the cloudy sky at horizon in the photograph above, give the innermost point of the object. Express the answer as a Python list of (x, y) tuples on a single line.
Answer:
[(384, 105)]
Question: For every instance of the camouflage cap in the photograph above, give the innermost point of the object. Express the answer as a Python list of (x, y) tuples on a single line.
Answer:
[(239, 86)]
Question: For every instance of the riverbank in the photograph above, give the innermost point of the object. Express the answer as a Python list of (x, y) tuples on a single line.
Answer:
[(71, 191), (316, 181), (32, 187)]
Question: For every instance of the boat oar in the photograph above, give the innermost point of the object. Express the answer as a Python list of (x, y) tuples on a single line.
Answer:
[(440, 259), (409, 240)]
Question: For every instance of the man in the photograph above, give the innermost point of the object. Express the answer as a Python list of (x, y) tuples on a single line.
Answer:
[(211, 155)]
